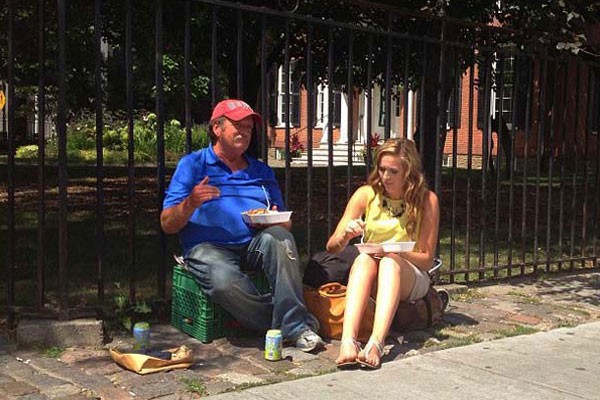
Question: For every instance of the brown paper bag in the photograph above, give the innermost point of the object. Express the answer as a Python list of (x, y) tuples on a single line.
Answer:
[(181, 357)]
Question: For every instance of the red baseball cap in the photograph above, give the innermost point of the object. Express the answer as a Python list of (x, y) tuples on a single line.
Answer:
[(235, 110)]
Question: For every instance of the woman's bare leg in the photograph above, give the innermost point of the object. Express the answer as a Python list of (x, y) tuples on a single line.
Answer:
[(395, 281), (362, 276)]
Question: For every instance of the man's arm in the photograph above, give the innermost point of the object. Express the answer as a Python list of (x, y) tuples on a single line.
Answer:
[(174, 218)]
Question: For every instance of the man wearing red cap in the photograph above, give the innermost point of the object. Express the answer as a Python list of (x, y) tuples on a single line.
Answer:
[(203, 204)]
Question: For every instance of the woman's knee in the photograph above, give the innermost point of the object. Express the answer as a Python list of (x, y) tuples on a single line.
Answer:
[(397, 264), (364, 266)]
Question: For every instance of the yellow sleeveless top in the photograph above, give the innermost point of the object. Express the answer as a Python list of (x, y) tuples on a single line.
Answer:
[(386, 220)]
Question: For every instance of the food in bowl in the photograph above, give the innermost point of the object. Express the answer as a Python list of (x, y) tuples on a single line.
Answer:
[(388, 247), (397, 247), (261, 216), (369, 248), (258, 211)]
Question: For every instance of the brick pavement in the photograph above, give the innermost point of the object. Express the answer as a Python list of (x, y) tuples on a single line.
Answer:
[(483, 312)]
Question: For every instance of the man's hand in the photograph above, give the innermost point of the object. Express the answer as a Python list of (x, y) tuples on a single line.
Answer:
[(201, 193), (173, 219)]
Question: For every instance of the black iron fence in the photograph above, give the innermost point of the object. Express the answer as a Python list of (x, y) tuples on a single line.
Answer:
[(508, 131)]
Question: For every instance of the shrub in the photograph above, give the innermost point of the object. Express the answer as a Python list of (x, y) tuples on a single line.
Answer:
[(81, 140), (296, 146), (29, 151)]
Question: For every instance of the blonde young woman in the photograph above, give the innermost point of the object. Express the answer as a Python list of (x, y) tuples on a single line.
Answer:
[(395, 206)]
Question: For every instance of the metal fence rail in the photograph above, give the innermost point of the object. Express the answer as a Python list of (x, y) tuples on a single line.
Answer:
[(509, 136)]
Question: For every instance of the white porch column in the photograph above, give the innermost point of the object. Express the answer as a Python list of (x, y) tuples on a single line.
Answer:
[(364, 120), (344, 119), (410, 109)]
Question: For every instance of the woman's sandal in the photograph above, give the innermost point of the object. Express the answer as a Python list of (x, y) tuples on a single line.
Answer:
[(372, 343), (349, 361)]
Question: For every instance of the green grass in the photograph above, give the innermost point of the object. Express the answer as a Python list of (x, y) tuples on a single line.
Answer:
[(566, 324), (52, 352), (517, 330), (574, 310), (194, 385), (469, 295), (526, 298), (461, 341)]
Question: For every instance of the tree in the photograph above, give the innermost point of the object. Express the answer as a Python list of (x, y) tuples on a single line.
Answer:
[(429, 66), (556, 26)]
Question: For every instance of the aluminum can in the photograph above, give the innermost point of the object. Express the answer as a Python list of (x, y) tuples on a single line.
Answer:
[(141, 334), (273, 345)]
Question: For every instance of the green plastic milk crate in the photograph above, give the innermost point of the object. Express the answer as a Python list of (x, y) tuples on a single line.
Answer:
[(192, 312)]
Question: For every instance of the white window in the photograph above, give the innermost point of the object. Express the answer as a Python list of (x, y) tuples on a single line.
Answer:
[(504, 105), (293, 98), (321, 109)]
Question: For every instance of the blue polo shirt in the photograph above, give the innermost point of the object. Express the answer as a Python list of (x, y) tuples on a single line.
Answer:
[(219, 220)]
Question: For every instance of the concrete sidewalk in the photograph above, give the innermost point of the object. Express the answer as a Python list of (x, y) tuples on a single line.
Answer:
[(559, 364)]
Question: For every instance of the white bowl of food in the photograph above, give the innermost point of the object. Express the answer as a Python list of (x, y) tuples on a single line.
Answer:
[(262, 216), (369, 248), (397, 247)]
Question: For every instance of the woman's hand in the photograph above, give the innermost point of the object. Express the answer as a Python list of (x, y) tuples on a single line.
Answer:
[(355, 227), (351, 225)]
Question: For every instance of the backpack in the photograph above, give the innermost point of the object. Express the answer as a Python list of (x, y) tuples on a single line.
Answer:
[(422, 313), (325, 267)]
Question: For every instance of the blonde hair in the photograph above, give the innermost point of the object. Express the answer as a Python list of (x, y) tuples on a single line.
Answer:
[(414, 183)]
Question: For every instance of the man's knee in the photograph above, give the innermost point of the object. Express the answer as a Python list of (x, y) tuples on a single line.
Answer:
[(275, 236), (222, 280)]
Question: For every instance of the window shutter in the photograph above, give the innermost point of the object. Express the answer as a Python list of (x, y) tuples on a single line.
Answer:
[(595, 123), (454, 105), (295, 106), (382, 108), (522, 80), (314, 99), (273, 95), (482, 92), (337, 108)]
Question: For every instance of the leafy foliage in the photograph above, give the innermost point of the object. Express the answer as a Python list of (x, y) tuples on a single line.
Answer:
[(296, 146), (125, 315), (81, 140), (558, 26)]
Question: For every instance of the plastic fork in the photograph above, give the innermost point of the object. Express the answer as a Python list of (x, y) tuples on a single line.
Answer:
[(266, 197)]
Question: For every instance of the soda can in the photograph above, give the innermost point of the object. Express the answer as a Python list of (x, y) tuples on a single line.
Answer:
[(141, 334), (273, 345)]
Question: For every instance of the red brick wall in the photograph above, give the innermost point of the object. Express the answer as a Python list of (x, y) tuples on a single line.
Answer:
[(462, 134), (277, 134), (573, 112)]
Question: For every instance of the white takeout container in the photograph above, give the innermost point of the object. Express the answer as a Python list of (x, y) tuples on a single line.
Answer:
[(397, 247), (369, 248), (272, 217)]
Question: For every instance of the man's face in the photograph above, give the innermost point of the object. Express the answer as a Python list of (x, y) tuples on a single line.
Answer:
[(234, 136)]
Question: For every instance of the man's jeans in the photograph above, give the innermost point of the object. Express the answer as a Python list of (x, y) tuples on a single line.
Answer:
[(218, 270)]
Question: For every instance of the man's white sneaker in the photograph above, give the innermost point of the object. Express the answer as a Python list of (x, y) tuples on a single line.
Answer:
[(308, 341)]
